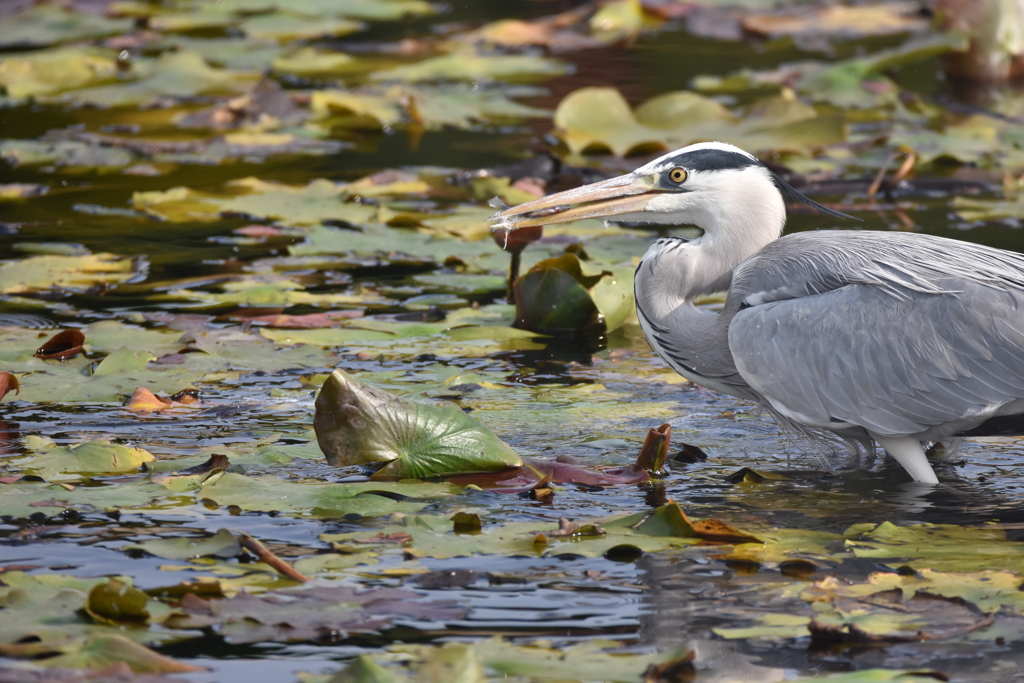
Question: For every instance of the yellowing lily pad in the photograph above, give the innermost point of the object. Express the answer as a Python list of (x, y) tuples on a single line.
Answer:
[(92, 457), (600, 117), (72, 272), (52, 71), (320, 200), (285, 26), (177, 74), (469, 66)]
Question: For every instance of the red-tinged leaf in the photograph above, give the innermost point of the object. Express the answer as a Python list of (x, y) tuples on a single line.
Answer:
[(258, 231), (8, 382), (516, 240), (12, 479), (717, 531), (536, 472), (145, 401), (654, 452), (61, 346), (308, 321)]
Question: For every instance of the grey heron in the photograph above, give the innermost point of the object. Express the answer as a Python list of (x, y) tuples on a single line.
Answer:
[(897, 338)]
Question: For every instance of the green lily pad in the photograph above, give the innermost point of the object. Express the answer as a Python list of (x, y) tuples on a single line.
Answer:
[(592, 660), (319, 500), (117, 375), (63, 153), (116, 602), (320, 200), (469, 66), (22, 500), (223, 544), (91, 457), (177, 74), (73, 272), (100, 651), (233, 349), (52, 71), (110, 335), (565, 294), (358, 424), (46, 24), (457, 104), (285, 27), (935, 546), (597, 117), (842, 83), (370, 10)]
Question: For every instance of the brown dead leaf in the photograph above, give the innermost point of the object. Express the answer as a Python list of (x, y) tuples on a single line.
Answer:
[(61, 346), (654, 452), (8, 382), (145, 401), (838, 21)]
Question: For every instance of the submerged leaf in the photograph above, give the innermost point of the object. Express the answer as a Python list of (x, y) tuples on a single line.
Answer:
[(357, 424)]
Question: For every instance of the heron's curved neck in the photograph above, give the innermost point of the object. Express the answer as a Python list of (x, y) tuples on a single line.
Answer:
[(673, 271)]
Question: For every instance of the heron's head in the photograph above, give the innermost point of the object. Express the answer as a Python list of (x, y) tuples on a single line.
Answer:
[(712, 185)]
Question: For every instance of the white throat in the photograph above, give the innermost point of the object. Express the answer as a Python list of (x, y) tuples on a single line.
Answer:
[(740, 211)]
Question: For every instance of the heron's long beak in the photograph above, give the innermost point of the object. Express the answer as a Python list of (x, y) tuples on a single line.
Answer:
[(614, 197)]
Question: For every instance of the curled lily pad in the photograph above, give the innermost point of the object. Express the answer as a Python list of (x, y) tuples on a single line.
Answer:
[(357, 424), (565, 294)]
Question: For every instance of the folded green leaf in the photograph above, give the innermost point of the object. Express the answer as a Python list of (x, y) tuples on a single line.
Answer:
[(358, 424)]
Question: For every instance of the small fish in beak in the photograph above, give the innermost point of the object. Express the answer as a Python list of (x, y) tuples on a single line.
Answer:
[(614, 197)]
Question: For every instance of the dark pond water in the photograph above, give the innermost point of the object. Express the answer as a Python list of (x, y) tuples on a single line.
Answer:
[(566, 398)]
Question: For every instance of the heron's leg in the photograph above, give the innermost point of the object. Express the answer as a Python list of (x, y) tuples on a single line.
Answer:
[(909, 453)]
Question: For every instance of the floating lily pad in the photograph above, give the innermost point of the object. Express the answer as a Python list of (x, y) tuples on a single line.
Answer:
[(357, 424), (92, 457), (269, 493), (53, 71), (600, 117), (223, 544), (46, 24), (565, 295), (22, 500), (63, 153), (319, 201), (473, 67), (172, 75), (117, 375)]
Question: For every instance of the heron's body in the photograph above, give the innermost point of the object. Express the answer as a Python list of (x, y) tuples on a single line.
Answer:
[(902, 338)]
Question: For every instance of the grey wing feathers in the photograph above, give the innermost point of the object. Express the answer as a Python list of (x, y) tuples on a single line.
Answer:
[(892, 341)]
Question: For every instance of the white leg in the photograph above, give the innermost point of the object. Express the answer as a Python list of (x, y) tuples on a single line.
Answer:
[(908, 452)]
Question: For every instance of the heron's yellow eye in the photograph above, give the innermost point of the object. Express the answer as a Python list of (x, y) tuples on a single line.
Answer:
[(677, 175)]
